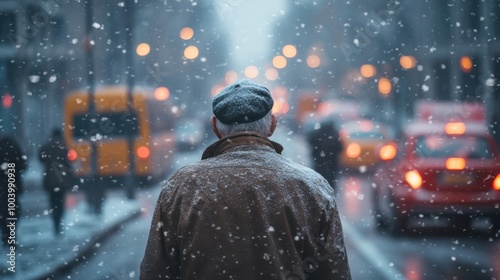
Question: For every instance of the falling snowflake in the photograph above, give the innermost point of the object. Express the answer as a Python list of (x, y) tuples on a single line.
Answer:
[(34, 79)]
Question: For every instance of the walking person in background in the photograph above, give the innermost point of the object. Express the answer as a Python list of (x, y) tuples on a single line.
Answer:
[(244, 211), (11, 159), (325, 149), (57, 176)]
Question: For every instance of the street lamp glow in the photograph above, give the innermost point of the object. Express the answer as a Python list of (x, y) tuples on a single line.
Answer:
[(162, 93), (384, 86), (279, 61), (230, 77), (368, 70), (191, 52), (289, 51), (466, 64), (143, 49), (271, 74), (186, 33), (251, 71), (407, 61), (313, 61)]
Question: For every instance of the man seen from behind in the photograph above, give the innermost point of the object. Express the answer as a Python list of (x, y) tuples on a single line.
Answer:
[(244, 211)]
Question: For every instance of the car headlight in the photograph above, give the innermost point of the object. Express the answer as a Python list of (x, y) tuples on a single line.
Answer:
[(414, 179)]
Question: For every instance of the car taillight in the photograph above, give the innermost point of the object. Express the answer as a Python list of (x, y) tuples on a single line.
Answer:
[(414, 179), (455, 164), (353, 150), (387, 152), (455, 128), (72, 155), (496, 183), (143, 152)]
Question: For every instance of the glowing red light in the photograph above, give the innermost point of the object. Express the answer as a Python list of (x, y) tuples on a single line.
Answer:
[(7, 101), (72, 155)]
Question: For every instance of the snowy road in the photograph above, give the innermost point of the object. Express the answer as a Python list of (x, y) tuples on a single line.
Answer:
[(120, 256)]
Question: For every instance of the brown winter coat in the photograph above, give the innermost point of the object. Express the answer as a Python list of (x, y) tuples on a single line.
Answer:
[(245, 212)]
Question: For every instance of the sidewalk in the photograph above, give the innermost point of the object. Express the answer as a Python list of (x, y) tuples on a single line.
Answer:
[(39, 253)]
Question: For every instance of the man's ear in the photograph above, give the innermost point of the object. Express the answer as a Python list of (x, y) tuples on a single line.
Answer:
[(213, 124), (274, 123)]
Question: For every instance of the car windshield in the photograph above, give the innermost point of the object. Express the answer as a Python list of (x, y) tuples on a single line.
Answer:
[(442, 146), (108, 125)]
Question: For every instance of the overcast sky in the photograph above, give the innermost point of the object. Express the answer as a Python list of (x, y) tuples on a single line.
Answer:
[(250, 25)]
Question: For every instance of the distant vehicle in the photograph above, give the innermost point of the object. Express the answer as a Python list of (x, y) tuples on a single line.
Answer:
[(311, 109), (135, 140), (190, 134), (449, 169), (442, 111), (361, 141)]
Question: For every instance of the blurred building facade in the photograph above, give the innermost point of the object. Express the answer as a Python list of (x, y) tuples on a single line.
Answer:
[(44, 46), (437, 50)]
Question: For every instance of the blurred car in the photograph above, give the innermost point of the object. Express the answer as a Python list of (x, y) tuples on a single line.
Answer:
[(361, 142), (443, 169)]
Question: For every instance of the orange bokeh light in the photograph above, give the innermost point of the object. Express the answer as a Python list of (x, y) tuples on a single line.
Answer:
[(455, 163), (384, 86), (280, 107), (454, 128), (353, 150), (313, 61), (191, 52), (414, 179), (251, 72), (230, 77), (289, 51), (407, 61), (279, 61), (368, 70), (271, 74), (496, 183), (186, 33), (143, 152), (143, 49), (388, 152), (162, 93), (466, 64)]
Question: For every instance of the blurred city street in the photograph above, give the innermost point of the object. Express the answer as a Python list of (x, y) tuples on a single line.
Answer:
[(113, 248), (108, 98)]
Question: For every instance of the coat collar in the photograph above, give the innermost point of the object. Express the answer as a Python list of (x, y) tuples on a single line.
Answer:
[(239, 139)]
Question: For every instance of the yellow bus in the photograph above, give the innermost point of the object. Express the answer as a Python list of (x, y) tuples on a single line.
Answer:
[(119, 138)]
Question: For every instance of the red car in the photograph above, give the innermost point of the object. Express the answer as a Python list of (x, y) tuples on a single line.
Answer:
[(443, 169)]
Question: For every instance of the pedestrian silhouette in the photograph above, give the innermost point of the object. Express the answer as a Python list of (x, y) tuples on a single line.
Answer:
[(325, 149), (12, 163), (57, 176), (95, 192)]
